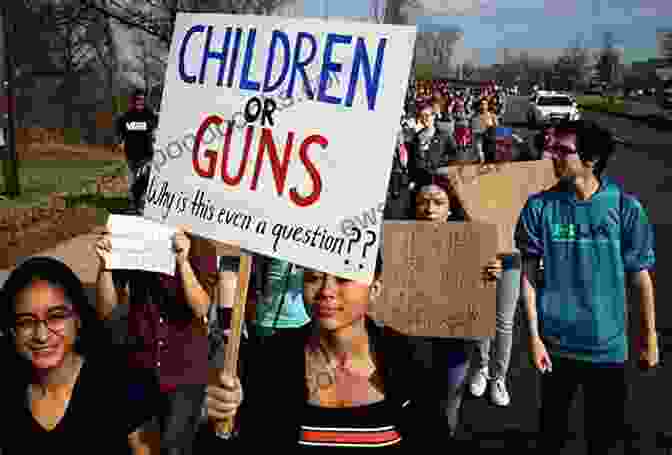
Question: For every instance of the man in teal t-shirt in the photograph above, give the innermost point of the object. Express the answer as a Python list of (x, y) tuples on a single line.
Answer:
[(593, 239)]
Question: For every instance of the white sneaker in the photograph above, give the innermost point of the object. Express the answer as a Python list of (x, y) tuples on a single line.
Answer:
[(479, 382), (498, 393)]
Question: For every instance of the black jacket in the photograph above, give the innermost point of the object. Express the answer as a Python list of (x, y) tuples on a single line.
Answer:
[(426, 158), (275, 391), (398, 199)]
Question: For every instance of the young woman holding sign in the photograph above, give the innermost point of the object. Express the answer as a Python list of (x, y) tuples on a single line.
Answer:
[(449, 360), (341, 381), (167, 332)]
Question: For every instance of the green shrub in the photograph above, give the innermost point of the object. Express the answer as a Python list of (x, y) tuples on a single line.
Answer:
[(601, 104)]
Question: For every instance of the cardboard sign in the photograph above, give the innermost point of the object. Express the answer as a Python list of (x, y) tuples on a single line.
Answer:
[(433, 282), (292, 125), (497, 193)]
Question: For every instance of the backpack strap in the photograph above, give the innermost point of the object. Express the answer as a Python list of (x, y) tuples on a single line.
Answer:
[(621, 216), (290, 270)]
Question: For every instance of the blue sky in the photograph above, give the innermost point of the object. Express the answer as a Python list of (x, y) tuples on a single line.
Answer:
[(541, 26)]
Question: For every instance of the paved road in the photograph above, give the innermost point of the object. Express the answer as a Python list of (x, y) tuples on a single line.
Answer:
[(643, 170)]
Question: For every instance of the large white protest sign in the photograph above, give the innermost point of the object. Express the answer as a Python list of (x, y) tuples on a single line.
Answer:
[(139, 244), (293, 124)]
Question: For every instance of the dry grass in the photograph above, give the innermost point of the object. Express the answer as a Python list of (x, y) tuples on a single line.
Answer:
[(57, 168), (68, 152)]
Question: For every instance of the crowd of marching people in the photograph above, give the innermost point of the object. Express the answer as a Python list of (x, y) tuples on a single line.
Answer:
[(316, 372), (441, 124), (466, 117)]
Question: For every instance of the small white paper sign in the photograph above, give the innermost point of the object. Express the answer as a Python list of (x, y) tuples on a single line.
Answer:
[(140, 244)]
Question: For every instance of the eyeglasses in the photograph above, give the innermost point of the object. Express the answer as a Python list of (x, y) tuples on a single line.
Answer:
[(55, 322)]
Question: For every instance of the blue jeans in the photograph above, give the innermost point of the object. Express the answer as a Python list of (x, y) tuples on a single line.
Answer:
[(508, 292)]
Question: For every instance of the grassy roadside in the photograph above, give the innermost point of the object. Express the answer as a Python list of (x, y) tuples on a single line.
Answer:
[(75, 178), (596, 103), (106, 204)]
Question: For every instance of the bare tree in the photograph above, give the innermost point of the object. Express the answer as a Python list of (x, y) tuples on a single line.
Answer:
[(573, 65), (107, 55), (151, 24), (157, 17), (67, 32), (537, 69), (609, 60), (509, 70), (468, 70), (149, 62), (377, 10), (665, 50), (436, 47), (396, 11)]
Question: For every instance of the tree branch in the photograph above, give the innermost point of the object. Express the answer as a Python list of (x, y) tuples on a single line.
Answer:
[(129, 23)]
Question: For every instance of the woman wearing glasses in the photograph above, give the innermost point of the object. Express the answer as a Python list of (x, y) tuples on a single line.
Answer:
[(67, 382)]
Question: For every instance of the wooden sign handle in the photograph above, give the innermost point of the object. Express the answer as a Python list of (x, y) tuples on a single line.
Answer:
[(224, 428)]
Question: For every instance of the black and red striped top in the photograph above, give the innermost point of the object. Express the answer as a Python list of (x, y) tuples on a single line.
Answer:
[(369, 426)]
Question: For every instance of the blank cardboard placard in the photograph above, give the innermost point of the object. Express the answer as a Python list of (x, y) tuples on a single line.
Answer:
[(497, 193), (433, 283)]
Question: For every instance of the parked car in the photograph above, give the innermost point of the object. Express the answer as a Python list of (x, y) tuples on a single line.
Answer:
[(537, 93), (552, 106)]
